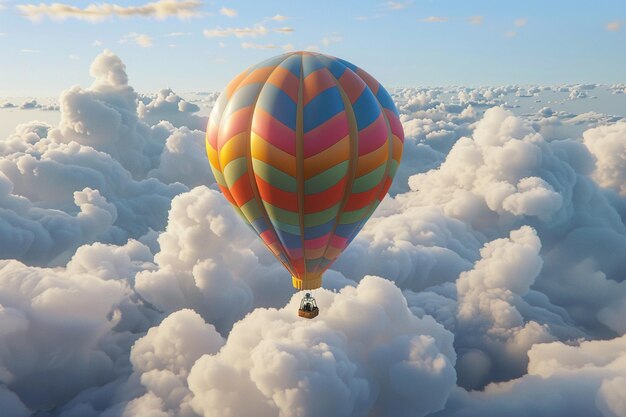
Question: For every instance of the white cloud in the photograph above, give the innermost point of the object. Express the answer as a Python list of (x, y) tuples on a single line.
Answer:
[(225, 11), (614, 26), (521, 22), (252, 45), (139, 39), (608, 146), (96, 12), (252, 32), (475, 20), (396, 5), (30, 51), (278, 363), (434, 19), (279, 18)]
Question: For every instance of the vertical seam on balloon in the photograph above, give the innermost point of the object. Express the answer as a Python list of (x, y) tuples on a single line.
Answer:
[(365, 217), (300, 161), (252, 179), (353, 159)]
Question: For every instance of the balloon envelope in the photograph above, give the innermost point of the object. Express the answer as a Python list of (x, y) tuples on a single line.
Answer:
[(304, 146)]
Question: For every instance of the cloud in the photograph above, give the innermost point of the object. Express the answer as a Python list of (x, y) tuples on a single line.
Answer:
[(139, 39), (279, 18), (396, 5), (475, 20), (225, 11), (30, 51), (608, 146), (161, 9), (521, 22), (510, 34), (434, 19), (279, 363), (252, 32), (614, 26), (252, 45)]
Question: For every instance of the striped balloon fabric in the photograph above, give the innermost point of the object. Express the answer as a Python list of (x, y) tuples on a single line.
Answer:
[(305, 146)]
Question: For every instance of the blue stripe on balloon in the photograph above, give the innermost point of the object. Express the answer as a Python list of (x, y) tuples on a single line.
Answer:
[(335, 67), (289, 240), (292, 64), (385, 100), (314, 232), (278, 103), (310, 64), (324, 106), (366, 109)]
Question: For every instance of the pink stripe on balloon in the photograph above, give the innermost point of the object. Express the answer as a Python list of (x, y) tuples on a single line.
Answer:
[(273, 131), (234, 124), (338, 242), (395, 124), (326, 135), (294, 253), (316, 243), (373, 136)]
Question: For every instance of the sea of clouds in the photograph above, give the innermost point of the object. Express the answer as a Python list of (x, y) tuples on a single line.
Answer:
[(490, 283)]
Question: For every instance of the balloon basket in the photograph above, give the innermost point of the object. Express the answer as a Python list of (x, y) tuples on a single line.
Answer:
[(308, 307), (309, 314)]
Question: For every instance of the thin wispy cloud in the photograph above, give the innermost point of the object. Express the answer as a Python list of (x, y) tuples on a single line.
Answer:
[(475, 20), (329, 40), (138, 39), (251, 45), (95, 12), (521, 22), (251, 32), (614, 26), (279, 18), (176, 34), (30, 51), (225, 11), (73, 57), (97, 43), (510, 34), (396, 5), (285, 30), (434, 19)]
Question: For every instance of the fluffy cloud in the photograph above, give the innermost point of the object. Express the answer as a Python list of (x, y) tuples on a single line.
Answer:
[(500, 257), (273, 363), (608, 145)]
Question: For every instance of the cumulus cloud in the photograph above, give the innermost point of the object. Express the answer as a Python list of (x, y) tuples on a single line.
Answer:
[(498, 257), (282, 365), (160, 9), (608, 146)]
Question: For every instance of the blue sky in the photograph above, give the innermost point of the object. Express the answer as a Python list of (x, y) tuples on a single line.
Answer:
[(419, 42)]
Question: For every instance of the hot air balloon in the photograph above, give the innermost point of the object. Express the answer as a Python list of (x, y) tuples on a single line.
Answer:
[(304, 146)]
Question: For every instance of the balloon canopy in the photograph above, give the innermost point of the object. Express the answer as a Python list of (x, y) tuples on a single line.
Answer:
[(305, 146)]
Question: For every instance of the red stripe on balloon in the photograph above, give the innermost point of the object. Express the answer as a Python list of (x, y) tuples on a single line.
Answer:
[(277, 197), (274, 132), (373, 136), (326, 199)]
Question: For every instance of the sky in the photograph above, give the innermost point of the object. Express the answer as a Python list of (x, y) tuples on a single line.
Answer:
[(191, 45)]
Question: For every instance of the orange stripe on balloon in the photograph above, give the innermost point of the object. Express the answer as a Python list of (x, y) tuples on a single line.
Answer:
[(232, 86), (371, 161), (259, 75), (233, 149), (397, 148), (352, 84), (315, 83), (268, 153), (286, 81), (328, 158)]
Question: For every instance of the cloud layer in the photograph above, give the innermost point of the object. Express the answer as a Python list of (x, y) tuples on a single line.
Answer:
[(490, 282)]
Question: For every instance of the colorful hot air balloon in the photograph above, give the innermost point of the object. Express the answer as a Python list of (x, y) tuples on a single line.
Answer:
[(305, 146)]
